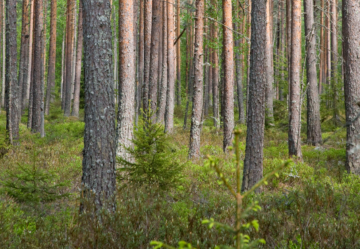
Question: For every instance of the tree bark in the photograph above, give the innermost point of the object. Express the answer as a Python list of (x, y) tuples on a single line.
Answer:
[(75, 110), (194, 150), (127, 78), (52, 57), (141, 72), (351, 48), (178, 55), (215, 75), (2, 37), (24, 52), (239, 86), (147, 51), (313, 101), (170, 95), (269, 64), (253, 164), (295, 84), (154, 54), (98, 179), (334, 61), (12, 99), (38, 73)]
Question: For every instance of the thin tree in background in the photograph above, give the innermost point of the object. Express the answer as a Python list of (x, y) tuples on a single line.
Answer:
[(31, 65), (334, 61), (24, 51), (38, 73), (127, 43), (79, 53), (140, 63), (52, 57), (313, 101), (269, 64), (2, 37), (351, 50), (253, 163), (98, 179), (154, 54), (194, 150), (12, 99), (295, 84), (69, 57), (215, 73), (178, 55), (228, 75), (170, 95), (147, 51)]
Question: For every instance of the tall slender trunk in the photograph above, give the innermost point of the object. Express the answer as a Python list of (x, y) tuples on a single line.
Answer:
[(141, 72), (215, 75), (239, 86), (248, 57), (334, 60), (253, 164), (12, 99), (351, 48), (62, 67), (194, 150), (98, 179), (24, 52), (228, 75), (170, 96), (178, 55), (154, 54), (52, 57), (313, 101), (147, 51), (127, 67), (322, 47), (283, 50), (38, 73), (269, 64), (295, 84), (75, 110), (2, 37), (163, 81)]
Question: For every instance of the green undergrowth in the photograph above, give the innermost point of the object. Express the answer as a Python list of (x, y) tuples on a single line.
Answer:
[(312, 204)]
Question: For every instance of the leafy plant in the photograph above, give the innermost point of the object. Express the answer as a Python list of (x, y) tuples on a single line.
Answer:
[(153, 162)]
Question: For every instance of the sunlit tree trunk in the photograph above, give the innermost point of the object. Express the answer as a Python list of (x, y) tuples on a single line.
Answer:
[(194, 150), (269, 64), (98, 179), (12, 99), (215, 74), (351, 48), (253, 164), (147, 51), (52, 57), (334, 60), (140, 84), (313, 101), (178, 55), (295, 84)]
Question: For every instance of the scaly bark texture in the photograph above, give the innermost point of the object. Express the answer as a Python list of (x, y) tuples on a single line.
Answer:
[(38, 73), (228, 75), (313, 101), (98, 179), (253, 164), (194, 150), (11, 84), (351, 48), (147, 51), (163, 81), (170, 95), (69, 57), (178, 55), (295, 84), (79, 53), (125, 124), (269, 64), (24, 51), (154, 54), (52, 57)]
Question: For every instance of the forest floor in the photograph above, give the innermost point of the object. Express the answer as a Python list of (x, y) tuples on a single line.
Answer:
[(312, 204)]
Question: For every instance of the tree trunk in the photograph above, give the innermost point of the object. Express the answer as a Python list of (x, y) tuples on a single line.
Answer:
[(334, 60), (98, 179), (215, 75), (295, 84), (141, 72), (163, 81), (154, 57), (147, 51), (283, 49), (288, 42), (313, 101), (62, 67), (69, 57), (322, 47), (24, 52), (12, 99), (194, 150), (2, 37), (75, 110), (269, 64), (127, 67), (248, 58), (351, 48), (253, 164), (170, 95), (52, 57), (178, 55), (239, 87), (38, 73)]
